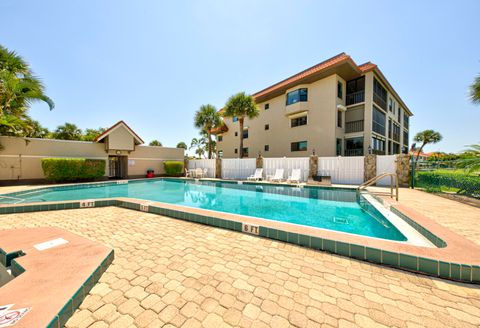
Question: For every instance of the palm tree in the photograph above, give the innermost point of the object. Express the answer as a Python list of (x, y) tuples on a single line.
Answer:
[(183, 145), (206, 118), (241, 106), (475, 90), (68, 131), (199, 145), (155, 143), (18, 86), (426, 137), (471, 159)]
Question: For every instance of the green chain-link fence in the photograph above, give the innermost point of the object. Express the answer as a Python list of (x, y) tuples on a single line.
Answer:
[(445, 176)]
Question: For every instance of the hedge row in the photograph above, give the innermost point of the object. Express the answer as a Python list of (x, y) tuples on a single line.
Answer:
[(466, 184), (73, 169), (173, 168)]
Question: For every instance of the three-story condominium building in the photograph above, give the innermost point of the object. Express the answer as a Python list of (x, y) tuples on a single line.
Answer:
[(335, 108)]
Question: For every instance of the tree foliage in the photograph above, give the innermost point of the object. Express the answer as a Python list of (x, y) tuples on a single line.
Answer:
[(475, 90), (68, 131), (155, 143), (207, 118), (242, 106), (183, 145), (426, 137)]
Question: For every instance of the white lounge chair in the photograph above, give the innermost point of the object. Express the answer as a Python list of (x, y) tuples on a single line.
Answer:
[(256, 176), (296, 176), (198, 173), (278, 177), (205, 173)]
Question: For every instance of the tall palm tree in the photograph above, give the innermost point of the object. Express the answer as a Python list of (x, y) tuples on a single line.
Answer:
[(206, 118), (18, 86), (68, 131), (475, 90), (241, 106), (426, 137), (199, 145)]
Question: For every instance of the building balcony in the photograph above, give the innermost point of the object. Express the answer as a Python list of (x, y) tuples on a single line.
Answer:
[(380, 101), (354, 126), (355, 98), (354, 152)]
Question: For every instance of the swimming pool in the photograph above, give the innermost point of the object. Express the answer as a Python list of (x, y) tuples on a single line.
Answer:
[(327, 208)]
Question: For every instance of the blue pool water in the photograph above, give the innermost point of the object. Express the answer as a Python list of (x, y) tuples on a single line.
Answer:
[(328, 208)]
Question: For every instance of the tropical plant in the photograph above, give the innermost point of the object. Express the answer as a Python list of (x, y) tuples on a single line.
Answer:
[(91, 134), (199, 146), (68, 131), (36, 130), (426, 137), (155, 143), (475, 90), (19, 88), (183, 145), (471, 159), (241, 106), (207, 118)]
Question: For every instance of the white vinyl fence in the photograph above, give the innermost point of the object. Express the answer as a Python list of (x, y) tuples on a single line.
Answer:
[(386, 164), (208, 164), (288, 164), (238, 168), (342, 170)]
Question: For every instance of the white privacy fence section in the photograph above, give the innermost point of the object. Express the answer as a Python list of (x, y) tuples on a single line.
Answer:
[(287, 164), (386, 164), (342, 170), (208, 164), (238, 168)]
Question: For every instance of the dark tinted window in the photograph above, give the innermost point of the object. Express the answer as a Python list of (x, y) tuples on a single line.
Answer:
[(298, 121), (267, 147), (298, 146), (378, 121), (297, 95)]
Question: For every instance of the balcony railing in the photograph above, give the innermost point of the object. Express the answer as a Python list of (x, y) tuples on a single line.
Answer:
[(354, 152), (355, 98), (354, 126), (380, 101)]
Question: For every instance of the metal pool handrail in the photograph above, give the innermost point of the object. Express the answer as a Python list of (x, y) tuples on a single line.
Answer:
[(381, 176)]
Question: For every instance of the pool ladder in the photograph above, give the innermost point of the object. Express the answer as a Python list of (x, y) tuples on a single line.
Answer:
[(374, 180)]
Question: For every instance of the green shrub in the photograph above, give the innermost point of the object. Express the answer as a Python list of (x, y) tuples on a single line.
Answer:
[(460, 182), (72, 169), (173, 168)]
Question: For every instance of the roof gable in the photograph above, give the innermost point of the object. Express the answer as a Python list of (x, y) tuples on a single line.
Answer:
[(135, 136)]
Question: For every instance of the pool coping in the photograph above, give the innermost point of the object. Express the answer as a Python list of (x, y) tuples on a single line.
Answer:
[(454, 258)]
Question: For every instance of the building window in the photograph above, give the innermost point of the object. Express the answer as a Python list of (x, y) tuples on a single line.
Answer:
[(378, 146), (266, 148), (220, 153), (339, 90), (378, 121), (390, 105), (298, 146), (267, 106), (234, 119), (339, 118), (399, 117), (355, 91), (339, 147), (405, 120), (236, 151), (298, 121), (220, 138), (245, 152), (245, 134), (236, 134), (297, 96), (405, 138), (354, 146), (396, 148), (379, 94), (267, 127)]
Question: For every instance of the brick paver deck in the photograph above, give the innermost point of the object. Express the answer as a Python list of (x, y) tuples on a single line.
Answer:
[(173, 273)]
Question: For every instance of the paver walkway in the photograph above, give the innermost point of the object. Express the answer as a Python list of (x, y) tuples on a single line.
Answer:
[(170, 273)]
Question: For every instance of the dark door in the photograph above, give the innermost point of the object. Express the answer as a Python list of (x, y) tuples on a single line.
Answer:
[(117, 168)]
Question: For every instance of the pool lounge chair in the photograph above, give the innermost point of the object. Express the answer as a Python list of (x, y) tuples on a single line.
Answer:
[(256, 176), (296, 176), (278, 177), (198, 173)]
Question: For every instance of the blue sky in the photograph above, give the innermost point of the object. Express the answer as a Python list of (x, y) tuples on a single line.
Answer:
[(153, 63)]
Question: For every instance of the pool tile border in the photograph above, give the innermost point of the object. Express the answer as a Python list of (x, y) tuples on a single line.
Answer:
[(449, 260)]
